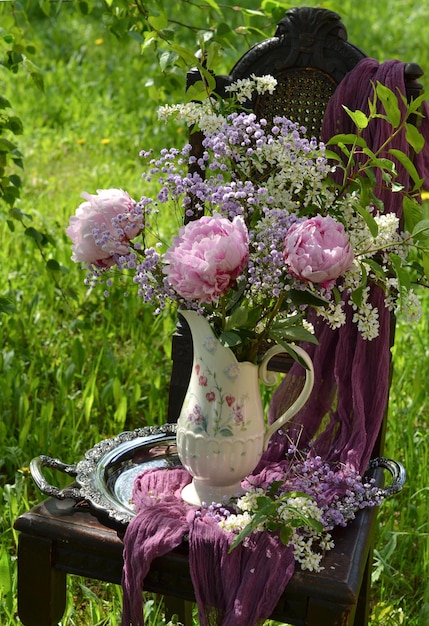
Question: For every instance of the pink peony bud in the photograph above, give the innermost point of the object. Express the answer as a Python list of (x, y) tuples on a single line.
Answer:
[(95, 238), (318, 250), (206, 257)]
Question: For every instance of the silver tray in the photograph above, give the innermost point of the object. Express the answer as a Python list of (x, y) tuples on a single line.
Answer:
[(106, 474)]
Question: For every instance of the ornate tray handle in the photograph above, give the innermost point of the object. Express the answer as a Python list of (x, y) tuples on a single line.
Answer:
[(36, 468), (397, 471)]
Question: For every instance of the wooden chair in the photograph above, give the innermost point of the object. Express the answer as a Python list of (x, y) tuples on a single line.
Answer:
[(309, 55)]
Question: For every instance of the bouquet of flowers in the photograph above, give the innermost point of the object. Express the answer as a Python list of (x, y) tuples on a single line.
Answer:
[(277, 235), (285, 225)]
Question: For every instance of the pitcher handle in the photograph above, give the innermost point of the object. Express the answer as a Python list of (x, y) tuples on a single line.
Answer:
[(270, 378)]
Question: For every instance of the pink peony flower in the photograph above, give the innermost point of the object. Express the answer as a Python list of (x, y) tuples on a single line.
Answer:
[(206, 257), (318, 250), (95, 238)]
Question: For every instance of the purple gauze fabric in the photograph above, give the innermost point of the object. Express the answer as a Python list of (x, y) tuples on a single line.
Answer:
[(231, 589), (352, 374), (349, 396)]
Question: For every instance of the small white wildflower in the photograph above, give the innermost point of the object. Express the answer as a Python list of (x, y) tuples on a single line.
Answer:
[(265, 83), (244, 87), (334, 314), (248, 501), (235, 523), (412, 307), (311, 562), (308, 326), (366, 318)]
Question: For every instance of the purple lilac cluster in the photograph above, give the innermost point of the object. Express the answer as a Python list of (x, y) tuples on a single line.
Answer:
[(339, 491), (333, 495), (266, 265), (233, 167)]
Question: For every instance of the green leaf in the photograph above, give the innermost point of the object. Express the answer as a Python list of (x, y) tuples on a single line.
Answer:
[(359, 118), (54, 266), (368, 218), (286, 322), (6, 145), (158, 22), (285, 535), (421, 230), (6, 305), (214, 5), (15, 180), (347, 139), (288, 348), (196, 92), (293, 333), (245, 532), (213, 55), (305, 296), (83, 7), (35, 234), (209, 78), (390, 103), (229, 339), (149, 38), (381, 163), (333, 156), (274, 487), (401, 273), (4, 103), (314, 523), (167, 60), (414, 137), (222, 29), (185, 53), (409, 167), (413, 213), (237, 319)]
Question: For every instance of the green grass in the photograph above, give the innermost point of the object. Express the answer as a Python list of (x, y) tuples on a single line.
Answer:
[(76, 367)]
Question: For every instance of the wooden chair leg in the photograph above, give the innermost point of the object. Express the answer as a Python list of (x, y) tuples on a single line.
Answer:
[(179, 607), (362, 607), (41, 588)]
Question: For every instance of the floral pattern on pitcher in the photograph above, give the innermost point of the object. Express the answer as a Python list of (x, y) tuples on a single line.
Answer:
[(222, 413)]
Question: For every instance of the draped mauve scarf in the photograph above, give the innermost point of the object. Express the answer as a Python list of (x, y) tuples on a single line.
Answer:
[(349, 397)]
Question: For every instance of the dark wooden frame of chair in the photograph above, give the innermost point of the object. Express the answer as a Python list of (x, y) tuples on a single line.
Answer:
[(59, 537)]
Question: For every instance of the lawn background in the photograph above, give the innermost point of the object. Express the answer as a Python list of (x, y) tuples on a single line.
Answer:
[(76, 367)]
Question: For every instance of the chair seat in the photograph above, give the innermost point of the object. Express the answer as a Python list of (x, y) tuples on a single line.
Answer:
[(58, 537)]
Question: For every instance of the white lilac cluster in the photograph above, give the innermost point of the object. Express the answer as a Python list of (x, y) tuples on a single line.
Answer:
[(308, 544), (304, 494), (367, 246), (243, 89)]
